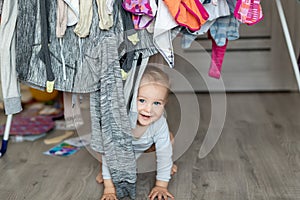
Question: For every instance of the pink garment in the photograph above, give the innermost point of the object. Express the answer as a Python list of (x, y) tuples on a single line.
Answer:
[(248, 11), (142, 14), (141, 21), (188, 13), (217, 57), (137, 7)]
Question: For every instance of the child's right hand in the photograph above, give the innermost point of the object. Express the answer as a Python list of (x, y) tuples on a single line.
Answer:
[(160, 193), (109, 196), (109, 192)]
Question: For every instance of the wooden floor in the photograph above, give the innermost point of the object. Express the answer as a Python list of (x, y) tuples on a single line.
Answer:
[(256, 158)]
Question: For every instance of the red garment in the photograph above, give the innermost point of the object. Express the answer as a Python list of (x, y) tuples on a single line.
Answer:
[(188, 13)]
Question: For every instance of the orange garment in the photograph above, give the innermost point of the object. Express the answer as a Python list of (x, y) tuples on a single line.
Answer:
[(188, 13)]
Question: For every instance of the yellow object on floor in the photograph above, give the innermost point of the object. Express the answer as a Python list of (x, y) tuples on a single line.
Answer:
[(58, 139)]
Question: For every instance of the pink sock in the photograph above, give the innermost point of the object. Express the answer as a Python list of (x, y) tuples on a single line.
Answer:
[(217, 57)]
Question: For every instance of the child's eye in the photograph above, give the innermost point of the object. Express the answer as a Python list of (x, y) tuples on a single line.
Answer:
[(157, 103), (142, 100)]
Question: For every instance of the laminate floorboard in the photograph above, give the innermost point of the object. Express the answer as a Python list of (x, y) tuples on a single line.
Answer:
[(257, 157)]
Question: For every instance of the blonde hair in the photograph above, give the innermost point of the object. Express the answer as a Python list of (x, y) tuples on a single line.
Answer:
[(155, 75)]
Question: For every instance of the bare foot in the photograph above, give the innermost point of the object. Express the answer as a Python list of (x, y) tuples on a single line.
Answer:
[(99, 178), (174, 169)]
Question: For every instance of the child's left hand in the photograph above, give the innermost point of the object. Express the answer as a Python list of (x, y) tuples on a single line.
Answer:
[(160, 192)]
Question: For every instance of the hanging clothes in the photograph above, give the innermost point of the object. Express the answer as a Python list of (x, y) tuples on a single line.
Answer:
[(67, 15), (225, 27), (111, 132), (99, 49), (106, 20), (217, 57), (62, 18), (248, 11), (131, 38), (9, 82), (214, 12), (72, 11), (187, 13), (142, 13), (44, 53), (99, 74), (162, 35), (82, 28)]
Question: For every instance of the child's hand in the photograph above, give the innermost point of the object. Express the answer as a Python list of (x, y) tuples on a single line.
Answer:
[(161, 193), (109, 194)]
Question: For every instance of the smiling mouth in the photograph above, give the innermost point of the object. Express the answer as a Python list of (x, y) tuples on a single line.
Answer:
[(145, 116)]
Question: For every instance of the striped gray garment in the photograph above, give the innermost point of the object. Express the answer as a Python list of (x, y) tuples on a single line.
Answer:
[(102, 106), (111, 132)]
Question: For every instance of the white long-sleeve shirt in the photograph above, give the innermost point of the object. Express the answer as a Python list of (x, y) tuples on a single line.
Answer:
[(10, 84), (157, 133)]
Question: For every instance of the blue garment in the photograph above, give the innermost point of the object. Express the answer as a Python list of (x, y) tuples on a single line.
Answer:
[(225, 27), (215, 12)]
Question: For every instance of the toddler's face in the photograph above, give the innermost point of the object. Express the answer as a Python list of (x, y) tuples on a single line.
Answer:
[(150, 103)]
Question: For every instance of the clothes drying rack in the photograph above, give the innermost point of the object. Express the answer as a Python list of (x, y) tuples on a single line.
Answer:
[(288, 42)]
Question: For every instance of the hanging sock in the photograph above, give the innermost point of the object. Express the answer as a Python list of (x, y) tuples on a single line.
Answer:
[(110, 6), (44, 53), (61, 18), (217, 57), (82, 29), (105, 18)]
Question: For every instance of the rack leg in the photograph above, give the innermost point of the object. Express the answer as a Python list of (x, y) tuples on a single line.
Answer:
[(288, 41), (6, 135)]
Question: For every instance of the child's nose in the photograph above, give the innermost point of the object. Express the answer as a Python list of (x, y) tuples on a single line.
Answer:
[(148, 107)]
